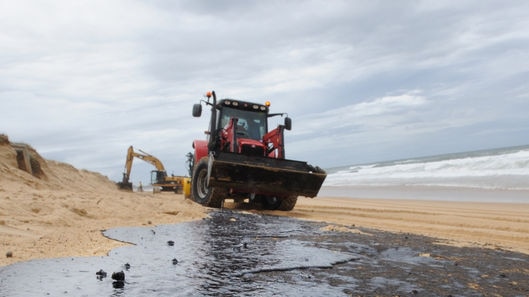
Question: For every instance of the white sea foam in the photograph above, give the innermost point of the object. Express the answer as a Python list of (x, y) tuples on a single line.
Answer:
[(494, 169)]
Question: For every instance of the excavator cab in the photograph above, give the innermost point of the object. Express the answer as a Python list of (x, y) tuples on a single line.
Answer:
[(158, 177)]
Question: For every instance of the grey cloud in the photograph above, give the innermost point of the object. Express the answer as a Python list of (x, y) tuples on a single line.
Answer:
[(83, 80)]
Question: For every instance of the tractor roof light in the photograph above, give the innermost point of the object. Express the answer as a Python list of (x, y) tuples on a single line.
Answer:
[(267, 103)]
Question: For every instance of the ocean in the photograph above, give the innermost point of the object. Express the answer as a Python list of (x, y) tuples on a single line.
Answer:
[(498, 175)]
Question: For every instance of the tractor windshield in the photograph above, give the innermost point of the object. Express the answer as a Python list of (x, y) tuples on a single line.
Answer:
[(251, 124)]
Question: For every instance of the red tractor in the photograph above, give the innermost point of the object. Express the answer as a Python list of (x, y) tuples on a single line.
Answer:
[(243, 161)]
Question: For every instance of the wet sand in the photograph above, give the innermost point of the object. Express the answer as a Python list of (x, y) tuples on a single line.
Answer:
[(45, 224)]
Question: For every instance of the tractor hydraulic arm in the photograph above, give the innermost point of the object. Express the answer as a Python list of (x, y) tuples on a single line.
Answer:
[(229, 136), (275, 143)]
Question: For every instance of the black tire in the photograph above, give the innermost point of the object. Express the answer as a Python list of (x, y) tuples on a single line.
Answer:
[(288, 203), (201, 193), (270, 202), (283, 204)]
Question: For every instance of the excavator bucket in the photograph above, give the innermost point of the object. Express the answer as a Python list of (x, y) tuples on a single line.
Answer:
[(269, 176), (125, 186)]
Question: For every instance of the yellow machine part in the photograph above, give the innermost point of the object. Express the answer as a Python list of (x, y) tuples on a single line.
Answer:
[(187, 187)]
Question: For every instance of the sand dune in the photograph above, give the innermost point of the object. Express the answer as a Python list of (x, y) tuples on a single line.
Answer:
[(62, 212), (59, 211)]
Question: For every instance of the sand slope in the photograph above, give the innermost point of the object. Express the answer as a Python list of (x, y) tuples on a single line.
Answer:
[(59, 211)]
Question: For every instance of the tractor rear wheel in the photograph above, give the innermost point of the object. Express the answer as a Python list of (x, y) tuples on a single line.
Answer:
[(288, 203), (284, 204), (200, 191)]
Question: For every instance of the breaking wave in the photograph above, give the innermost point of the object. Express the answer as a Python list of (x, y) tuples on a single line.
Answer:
[(506, 168)]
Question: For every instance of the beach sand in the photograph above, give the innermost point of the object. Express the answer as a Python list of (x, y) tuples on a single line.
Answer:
[(493, 225), (61, 212)]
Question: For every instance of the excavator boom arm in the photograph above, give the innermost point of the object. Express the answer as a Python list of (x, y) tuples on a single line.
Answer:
[(149, 159), (128, 164)]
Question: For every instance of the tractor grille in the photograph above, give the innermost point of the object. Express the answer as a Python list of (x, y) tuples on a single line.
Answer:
[(252, 150)]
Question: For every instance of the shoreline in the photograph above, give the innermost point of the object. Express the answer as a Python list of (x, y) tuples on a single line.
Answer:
[(428, 193)]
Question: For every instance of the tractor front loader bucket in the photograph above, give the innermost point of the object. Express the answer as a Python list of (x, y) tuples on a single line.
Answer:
[(268, 176)]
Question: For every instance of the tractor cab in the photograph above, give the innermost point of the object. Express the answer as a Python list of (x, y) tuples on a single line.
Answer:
[(251, 123)]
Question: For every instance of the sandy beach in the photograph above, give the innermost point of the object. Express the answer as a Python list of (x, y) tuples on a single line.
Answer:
[(61, 213), (494, 225)]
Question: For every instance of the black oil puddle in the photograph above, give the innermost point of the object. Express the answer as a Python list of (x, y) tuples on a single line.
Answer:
[(241, 254)]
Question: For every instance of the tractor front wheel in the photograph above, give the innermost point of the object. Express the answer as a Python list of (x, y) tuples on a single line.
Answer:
[(200, 191)]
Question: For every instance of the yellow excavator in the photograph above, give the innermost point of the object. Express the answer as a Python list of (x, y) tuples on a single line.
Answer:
[(159, 177)]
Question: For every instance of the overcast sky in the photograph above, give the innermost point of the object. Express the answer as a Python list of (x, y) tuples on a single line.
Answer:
[(363, 81)]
